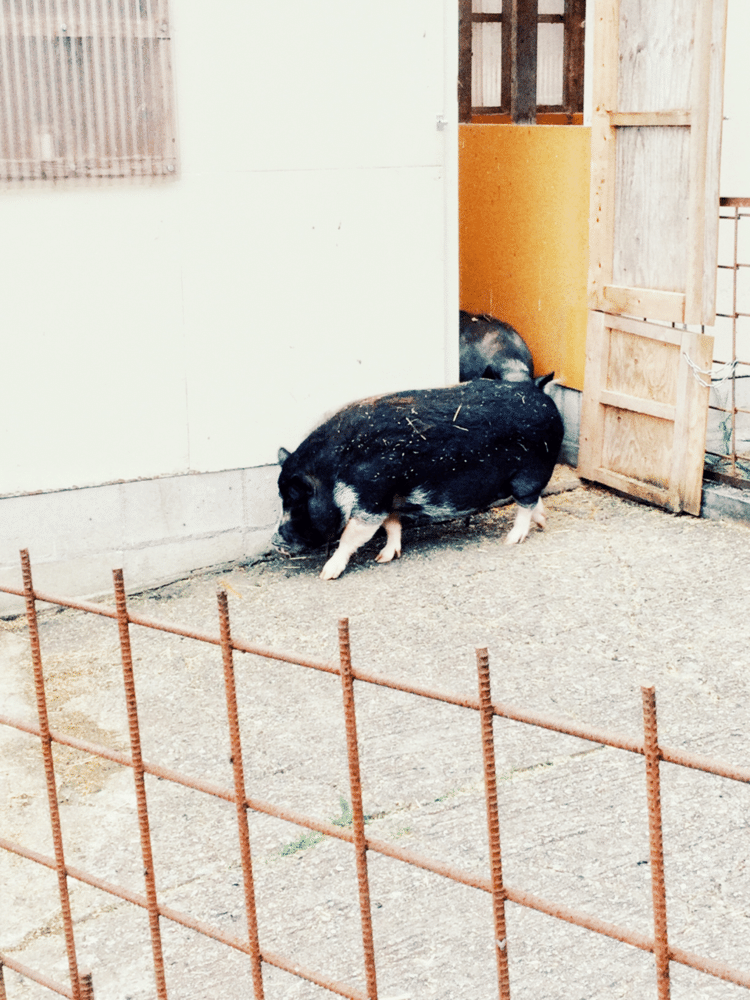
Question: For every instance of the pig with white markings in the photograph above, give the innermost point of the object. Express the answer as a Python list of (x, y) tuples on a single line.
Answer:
[(434, 453), (489, 348)]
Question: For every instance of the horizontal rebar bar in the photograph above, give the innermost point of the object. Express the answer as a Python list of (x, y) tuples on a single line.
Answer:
[(36, 977), (243, 647), (519, 896), (603, 737)]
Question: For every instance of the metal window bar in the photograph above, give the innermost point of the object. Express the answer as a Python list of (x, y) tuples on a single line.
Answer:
[(81, 982), (726, 469), (85, 89)]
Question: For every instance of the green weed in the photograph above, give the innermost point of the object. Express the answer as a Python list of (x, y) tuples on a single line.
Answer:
[(305, 840), (345, 819)]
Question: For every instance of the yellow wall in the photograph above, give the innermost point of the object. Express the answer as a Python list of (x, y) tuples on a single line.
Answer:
[(523, 236)]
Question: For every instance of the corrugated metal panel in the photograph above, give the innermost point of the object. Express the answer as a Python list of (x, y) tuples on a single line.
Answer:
[(85, 89)]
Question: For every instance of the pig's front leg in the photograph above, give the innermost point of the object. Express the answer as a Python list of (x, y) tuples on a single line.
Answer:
[(355, 534), (524, 517)]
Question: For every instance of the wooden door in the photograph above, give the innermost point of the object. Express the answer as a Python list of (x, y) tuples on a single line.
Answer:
[(655, 148)]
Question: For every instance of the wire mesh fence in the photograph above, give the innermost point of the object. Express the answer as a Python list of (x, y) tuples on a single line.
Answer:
[(728, 442), (82, 981)]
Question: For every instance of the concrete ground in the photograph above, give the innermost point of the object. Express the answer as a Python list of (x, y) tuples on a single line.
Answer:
[(612, 595)]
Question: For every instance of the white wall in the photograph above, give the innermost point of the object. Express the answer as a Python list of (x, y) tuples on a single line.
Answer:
[(735, 139), (305, 255)]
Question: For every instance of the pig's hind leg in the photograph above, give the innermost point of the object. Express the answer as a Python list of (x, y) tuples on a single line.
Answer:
[(392, 548), (355, 534), (522, 524)]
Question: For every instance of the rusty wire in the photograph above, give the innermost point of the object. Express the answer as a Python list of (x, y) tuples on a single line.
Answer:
[(649, 747)]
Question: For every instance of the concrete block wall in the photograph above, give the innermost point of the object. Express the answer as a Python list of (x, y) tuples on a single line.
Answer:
[(156, 530), (569, 404)]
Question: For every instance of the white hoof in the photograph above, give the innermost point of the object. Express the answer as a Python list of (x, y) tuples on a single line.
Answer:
[(524, 516), (392, 548), (333, 568), (387, 554), (517, 535)]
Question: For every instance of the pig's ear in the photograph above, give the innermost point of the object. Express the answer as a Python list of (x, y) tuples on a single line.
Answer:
[(283, 455)]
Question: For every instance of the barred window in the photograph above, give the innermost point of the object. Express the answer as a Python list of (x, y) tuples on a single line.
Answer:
[(544, 78), (85, 89)]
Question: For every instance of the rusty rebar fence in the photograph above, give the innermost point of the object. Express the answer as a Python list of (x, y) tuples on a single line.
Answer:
[(728, 450), (81, 987)]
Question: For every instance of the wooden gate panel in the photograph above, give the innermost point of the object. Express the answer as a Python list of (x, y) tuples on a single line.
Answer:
[(643, 421), (651, 202), (637, 445), (641, 366), (655, 141)]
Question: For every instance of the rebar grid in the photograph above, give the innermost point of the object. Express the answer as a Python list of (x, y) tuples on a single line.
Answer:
[(82, 987)]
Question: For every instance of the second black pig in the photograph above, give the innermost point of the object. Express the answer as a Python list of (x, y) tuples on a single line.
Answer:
[(493, 349)]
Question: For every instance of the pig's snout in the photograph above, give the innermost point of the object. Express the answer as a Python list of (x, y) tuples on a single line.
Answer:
[(286, 546)]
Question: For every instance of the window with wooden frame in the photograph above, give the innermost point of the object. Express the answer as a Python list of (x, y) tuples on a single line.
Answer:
[(521, 61), (85, 89)]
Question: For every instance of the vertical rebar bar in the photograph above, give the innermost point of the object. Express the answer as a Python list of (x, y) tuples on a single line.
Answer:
[(651, 753), (86, 984), (235, 743), (140, 783), (493, 824), (358, 817), (49, 773)]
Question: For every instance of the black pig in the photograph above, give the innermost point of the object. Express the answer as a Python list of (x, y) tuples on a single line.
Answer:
[(493, 349), (437, 453)]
